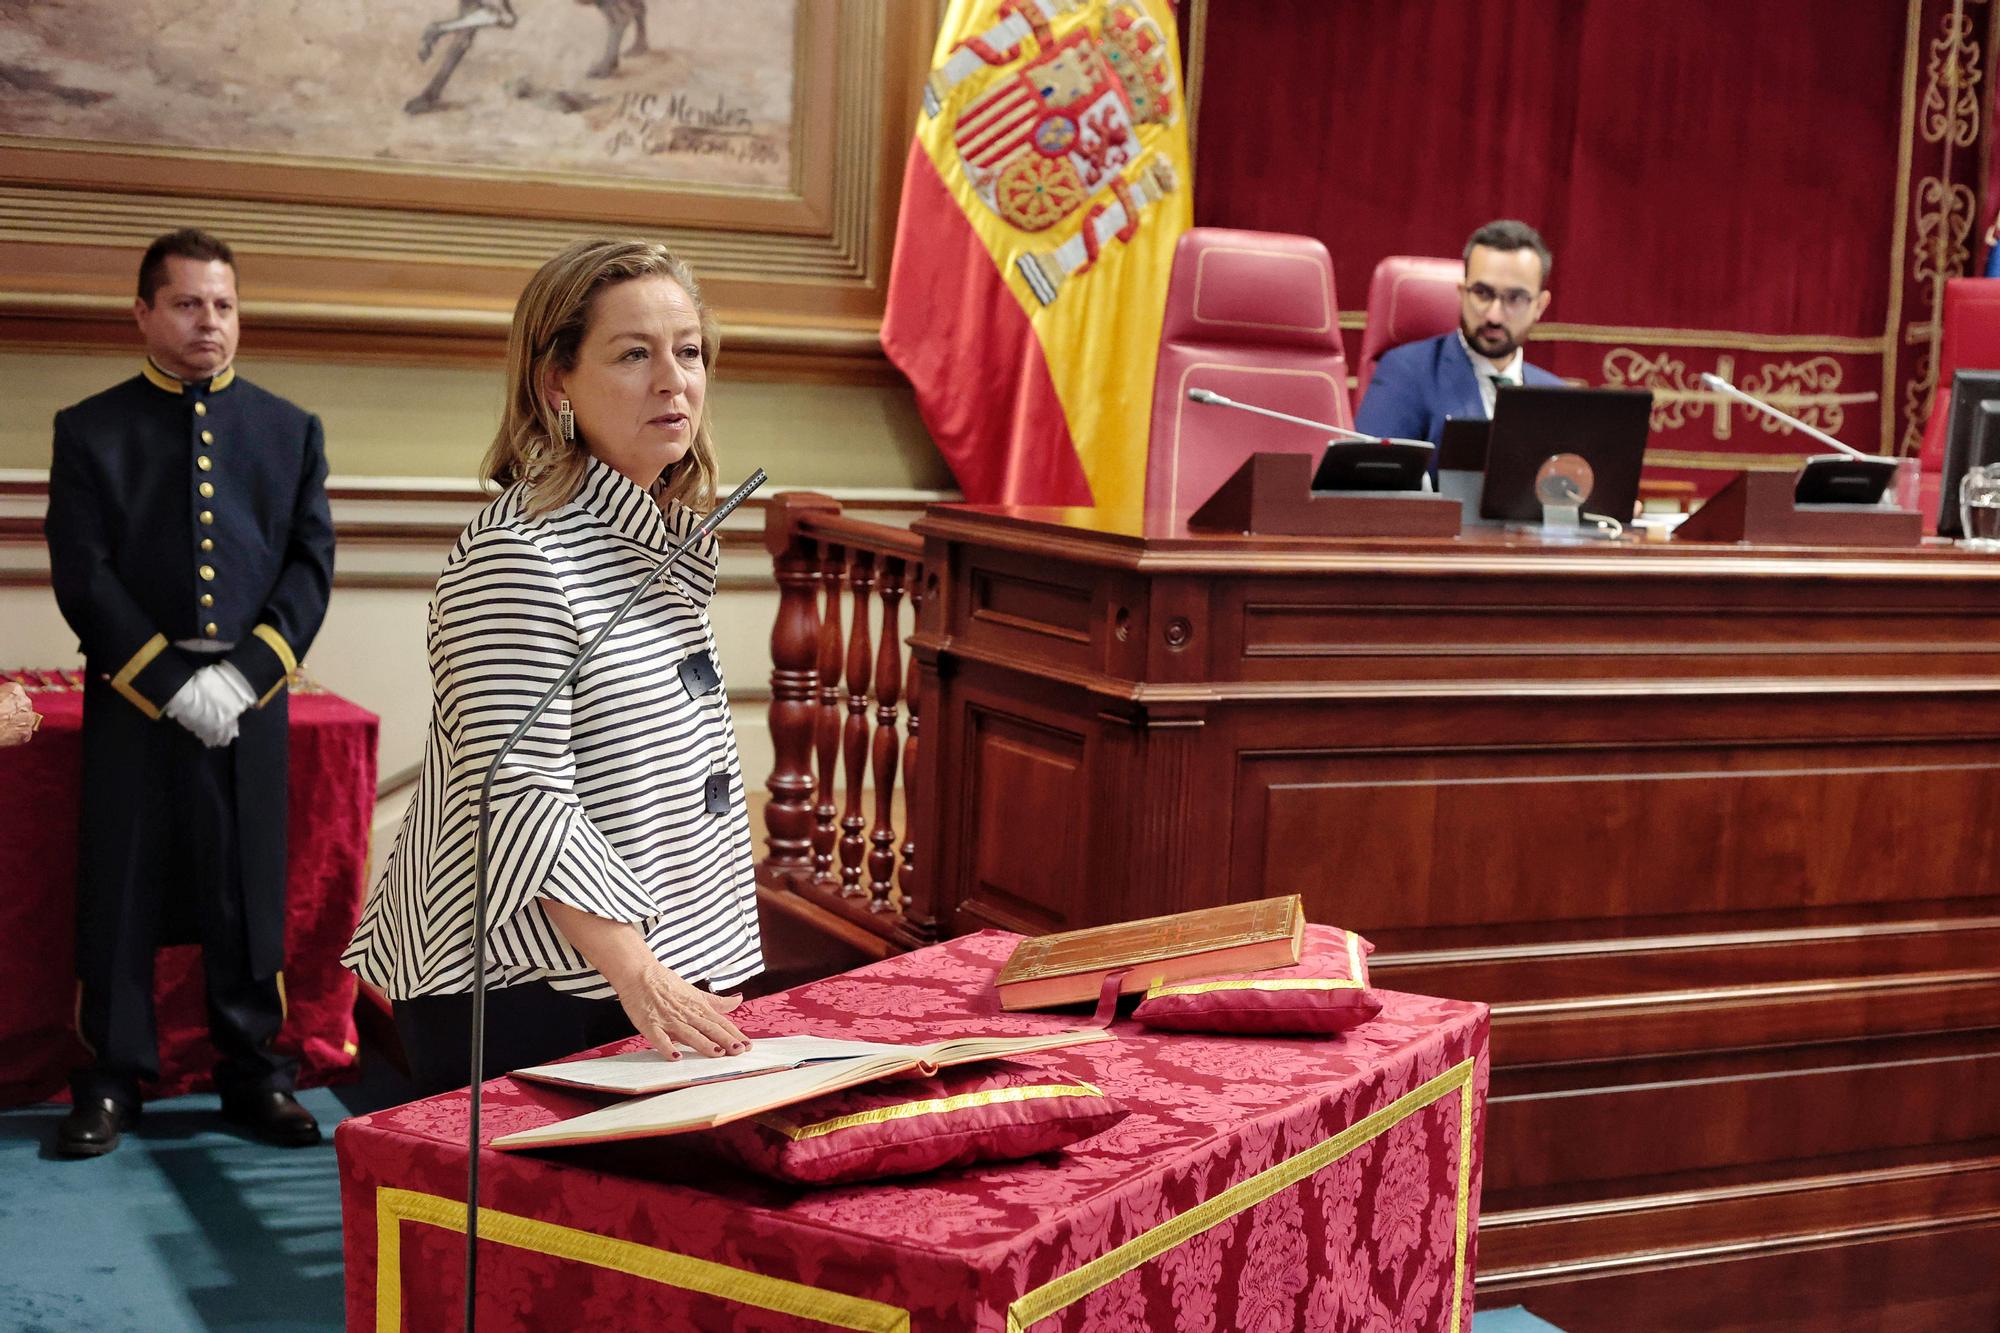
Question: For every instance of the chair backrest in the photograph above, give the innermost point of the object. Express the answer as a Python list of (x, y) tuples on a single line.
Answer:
[(1251, 316), (1410, 297), (1970, 340)]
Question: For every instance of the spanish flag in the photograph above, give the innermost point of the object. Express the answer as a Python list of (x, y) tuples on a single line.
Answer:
[(1045, 191)]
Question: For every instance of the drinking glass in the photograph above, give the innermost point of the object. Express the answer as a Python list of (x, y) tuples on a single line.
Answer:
[(1979, 507)]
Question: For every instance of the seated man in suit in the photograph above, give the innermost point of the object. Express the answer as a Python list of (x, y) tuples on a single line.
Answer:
[(1457, 374)]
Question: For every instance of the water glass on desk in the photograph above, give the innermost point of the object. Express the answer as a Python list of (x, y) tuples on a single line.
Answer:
[(1979, 507)]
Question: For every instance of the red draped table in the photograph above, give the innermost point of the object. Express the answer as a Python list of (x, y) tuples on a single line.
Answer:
[(1259, 1184), (332, 804)]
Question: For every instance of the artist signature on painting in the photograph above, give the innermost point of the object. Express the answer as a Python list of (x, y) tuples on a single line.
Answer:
[(673, 123)]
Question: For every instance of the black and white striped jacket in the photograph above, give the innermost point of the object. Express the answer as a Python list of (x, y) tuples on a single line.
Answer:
[(601, 806)]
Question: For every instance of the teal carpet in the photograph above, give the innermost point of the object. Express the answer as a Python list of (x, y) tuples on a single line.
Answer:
[(191, 1226), (187, 1225)]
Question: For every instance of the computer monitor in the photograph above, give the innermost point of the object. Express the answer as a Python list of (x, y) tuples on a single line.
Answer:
[(1970, 391), (1463, 448), (1606, 428)]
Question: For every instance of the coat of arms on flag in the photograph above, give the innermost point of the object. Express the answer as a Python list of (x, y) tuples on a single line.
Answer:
[(1056, 125), (1046, 189)]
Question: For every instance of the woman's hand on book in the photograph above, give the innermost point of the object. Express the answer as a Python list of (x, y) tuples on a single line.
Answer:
[(668, 1011), (663, 1007)]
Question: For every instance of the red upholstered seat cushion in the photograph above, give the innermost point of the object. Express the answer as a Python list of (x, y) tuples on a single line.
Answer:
[(902, 1127), (1326, 991)]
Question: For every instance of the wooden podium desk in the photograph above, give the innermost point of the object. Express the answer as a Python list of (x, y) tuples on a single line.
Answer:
[(1715, 829)]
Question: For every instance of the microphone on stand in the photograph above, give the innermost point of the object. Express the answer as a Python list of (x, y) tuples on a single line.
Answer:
[(1354, 460), (1721, 385), (1214, 399), (480, 871), (1848, 476)]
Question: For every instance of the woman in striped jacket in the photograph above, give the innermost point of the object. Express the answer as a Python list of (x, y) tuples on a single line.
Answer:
[(620, 866)]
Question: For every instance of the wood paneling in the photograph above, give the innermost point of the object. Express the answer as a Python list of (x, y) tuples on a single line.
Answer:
[(1714, 831), (1024, 777)]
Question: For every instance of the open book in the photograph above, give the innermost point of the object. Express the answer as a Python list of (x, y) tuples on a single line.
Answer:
[(703, 1095)]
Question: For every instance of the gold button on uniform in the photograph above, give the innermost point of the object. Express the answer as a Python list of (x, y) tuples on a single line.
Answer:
[(207, 488), (207, 572), (208, 516), (203, 463), (209, 629), (201, 409), (208, 543), (207, 438), (208, 599)]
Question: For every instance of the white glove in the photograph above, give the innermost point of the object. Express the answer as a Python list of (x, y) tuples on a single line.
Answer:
[(229, 682), (192, 707), (210, 703)]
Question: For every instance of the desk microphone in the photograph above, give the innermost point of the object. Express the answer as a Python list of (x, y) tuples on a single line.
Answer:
[(1338, 432), (1721, 385), (480, 882)]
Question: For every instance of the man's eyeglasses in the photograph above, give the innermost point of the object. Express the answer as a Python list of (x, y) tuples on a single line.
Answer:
[(1514, 301)]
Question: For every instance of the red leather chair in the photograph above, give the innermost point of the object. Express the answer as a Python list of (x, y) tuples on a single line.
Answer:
[(1970, 341), (1251, 316), (1410, 297)]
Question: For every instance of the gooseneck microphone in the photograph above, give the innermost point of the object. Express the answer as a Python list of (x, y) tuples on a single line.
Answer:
[(480, 870), (1214, 399), (1723, 386)]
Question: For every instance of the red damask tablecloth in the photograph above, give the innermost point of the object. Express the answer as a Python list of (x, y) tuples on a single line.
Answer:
[(1259, 1184), (332, 803)]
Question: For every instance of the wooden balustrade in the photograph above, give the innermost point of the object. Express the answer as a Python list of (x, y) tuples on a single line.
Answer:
[(844, 712)]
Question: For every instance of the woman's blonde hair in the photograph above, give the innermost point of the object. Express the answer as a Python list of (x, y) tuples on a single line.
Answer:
[(549, 324)]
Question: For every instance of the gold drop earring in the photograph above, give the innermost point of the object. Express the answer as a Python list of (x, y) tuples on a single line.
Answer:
[(567, 419)]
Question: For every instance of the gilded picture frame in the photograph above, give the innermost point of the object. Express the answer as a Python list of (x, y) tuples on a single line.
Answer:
[(343, 254)]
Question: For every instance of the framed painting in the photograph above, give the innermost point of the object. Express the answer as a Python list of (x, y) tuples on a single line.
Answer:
[(390, 173)]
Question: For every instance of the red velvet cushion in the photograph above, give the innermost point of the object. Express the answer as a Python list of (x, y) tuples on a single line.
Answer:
[(1327, 991), (901, 1127)]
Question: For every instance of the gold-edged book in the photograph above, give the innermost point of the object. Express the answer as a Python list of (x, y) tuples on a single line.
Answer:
[(1071, 966), (708, 1104)]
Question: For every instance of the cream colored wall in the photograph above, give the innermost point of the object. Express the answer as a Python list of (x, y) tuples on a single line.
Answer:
[(435, 421), (857, 441)]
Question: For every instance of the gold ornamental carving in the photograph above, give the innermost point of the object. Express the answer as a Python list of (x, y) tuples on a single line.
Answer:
[(1949, 112), (1809, 389), (1945, 213)]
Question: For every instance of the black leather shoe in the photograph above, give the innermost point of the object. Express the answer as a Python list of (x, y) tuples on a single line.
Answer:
[(273, 1115), (92, 1127)]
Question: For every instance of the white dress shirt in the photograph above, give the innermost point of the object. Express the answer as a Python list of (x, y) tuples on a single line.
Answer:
[(601, 806), (1483, 372)]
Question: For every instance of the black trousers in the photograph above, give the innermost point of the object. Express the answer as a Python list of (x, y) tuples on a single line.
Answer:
[(529, 1024), (183, 877)]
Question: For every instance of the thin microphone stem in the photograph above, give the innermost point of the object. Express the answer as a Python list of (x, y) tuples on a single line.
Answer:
[(1721, 385), (1340, 432), (701, 531)]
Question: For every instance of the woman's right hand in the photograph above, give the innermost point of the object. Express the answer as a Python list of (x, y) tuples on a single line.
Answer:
[(670, 1013)]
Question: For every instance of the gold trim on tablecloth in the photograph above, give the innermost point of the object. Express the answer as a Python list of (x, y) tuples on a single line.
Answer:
[(1073, 1286), (396, 1206)]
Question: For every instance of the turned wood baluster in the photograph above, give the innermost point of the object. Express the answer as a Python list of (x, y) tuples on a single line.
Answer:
[(854, 738), (826, 721), (788, 818), (888, 688), (906, 878)]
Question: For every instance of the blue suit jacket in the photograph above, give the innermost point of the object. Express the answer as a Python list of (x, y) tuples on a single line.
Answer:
[(1419, 384)]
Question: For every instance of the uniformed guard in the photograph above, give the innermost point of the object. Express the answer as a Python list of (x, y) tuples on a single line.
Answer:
[(191, 550)]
